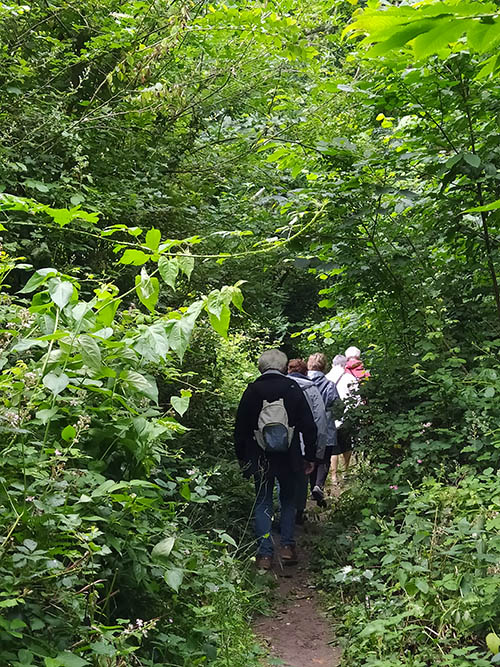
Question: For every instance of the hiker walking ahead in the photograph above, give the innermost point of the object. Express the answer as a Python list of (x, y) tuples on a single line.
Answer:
[(347, 372), (297, 369), (317, 367), (272, 413)]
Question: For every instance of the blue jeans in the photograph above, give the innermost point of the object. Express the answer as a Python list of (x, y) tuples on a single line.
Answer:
[(264, 487)]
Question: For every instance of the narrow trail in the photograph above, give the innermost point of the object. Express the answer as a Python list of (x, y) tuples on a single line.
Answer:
[(297, 632)]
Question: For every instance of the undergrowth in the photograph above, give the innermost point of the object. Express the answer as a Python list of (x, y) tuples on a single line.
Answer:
[(413, 572)]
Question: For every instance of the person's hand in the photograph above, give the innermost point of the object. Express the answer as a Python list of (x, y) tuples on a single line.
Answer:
[(308, 467)]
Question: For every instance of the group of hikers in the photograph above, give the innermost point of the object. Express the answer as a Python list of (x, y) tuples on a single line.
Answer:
[(290, 430)]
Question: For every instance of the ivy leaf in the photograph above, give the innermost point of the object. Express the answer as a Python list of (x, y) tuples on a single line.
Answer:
[(174, 578), (56, 383), (181, 403), (163, 548), (60, 292), (90, 351), (147, 289), (134, 257), (153, 238), (169, 270)]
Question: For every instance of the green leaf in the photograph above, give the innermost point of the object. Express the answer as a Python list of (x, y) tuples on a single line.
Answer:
[(186, 264), (227, 538), (153, 238), (174, 578), (237, 298), (493, 642), (487, 207), (446, 31), (39, 278), (147, 289), (134, 257), (221, 324), (141, 384), (68, 433), (163, 548), (169, 270), (90, 351), (27, 343), (422, 585), (153, 343), (31, 545), (56, 383), (106, 312), (181, 403), (489, 392), (60, 291), (66, 659), (46, 414), (179, 331), (472, 159)]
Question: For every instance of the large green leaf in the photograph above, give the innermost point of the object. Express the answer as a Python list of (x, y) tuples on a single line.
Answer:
[(163, 548), (153, 237), (179, 331), (141, 383), (38, 278), (90, 351), (60, 291), (186, 264), (174, 578), (147, 289), (135, 257), (56, 383), (169, 270)]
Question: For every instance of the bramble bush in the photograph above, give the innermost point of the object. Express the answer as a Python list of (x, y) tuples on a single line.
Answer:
[(102, 558)]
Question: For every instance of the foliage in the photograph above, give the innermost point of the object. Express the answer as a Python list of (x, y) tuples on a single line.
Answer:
[(419, 573)]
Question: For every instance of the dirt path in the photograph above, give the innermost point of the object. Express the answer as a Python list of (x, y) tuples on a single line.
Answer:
[(297, 633)]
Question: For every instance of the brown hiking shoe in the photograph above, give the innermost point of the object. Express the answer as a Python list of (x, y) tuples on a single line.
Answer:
[(263, 562), (288, 555)]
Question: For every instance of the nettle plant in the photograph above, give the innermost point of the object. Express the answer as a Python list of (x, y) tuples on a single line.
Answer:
[(90, 476)]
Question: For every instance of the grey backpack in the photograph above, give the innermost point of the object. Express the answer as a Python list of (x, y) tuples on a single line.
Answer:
[(273, 434)]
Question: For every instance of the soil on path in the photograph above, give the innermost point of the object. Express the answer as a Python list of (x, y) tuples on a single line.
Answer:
[(297, 633)]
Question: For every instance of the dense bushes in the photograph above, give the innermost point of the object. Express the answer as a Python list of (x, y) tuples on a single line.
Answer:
[(112, 552), (414, 571)]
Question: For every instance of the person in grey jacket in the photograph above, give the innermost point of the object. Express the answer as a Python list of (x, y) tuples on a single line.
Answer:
[(297, 369), (317, 366)]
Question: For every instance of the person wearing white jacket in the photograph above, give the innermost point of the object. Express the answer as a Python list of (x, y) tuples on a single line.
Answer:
[(347, 387)]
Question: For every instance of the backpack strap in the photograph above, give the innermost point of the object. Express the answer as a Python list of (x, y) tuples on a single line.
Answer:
[(340, 378)]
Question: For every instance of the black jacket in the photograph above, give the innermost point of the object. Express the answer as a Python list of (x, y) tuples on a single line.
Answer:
[(271, 387)]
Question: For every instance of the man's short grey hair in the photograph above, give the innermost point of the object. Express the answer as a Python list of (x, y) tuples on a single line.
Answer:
[(339, 360), (353, 353), (273, 360)]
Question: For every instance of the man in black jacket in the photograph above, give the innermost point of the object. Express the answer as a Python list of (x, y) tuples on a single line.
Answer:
[(265, 468)]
